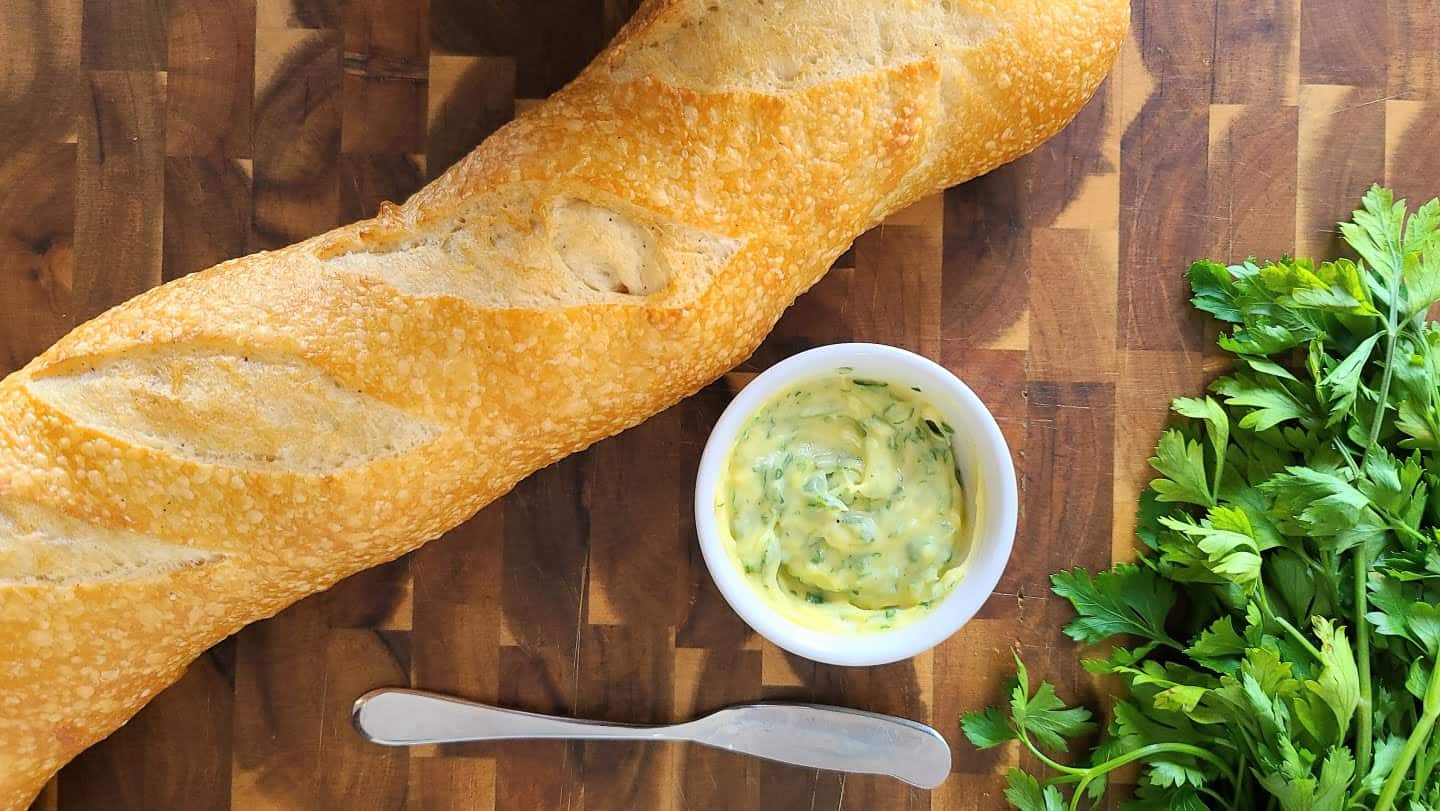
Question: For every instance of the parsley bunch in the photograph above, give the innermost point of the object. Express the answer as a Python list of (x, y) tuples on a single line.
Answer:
[(1276, 638)]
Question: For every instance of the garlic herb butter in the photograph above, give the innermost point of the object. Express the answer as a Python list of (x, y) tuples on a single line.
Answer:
[(842, 504)]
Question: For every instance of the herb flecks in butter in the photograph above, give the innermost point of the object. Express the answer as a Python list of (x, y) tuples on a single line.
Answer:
[(842, 505)]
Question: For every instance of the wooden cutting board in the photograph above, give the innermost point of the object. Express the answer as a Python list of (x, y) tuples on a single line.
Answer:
[(141, 140)]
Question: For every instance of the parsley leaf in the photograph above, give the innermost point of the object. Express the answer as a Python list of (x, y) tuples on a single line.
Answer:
[(1300, 791), (1043, 715), (1182, 463), (1125, 600), (1174, 775), (1335, 286), (1215, 291), (1419, 427), (1217, 430), (987, 728), (1386, 753), (1157, 798), (1271, 401), (1227, 542), (1391, 614), (1321, 504), (1338, 685), (1219, 647), (1422, 282), (1024, 792), (1375, 231), (1422, 230), (1343, 382)]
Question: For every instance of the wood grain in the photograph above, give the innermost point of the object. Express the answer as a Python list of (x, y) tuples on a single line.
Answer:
[(120, 173), (1252, 181), (1259, 60), (142, 140), (124, 35), (296, 135), (207, 212), (210, 90), (1340, 53), (37, 253), (384, 89)]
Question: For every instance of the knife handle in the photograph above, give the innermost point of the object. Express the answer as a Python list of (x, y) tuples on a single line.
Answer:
[(400, 717)]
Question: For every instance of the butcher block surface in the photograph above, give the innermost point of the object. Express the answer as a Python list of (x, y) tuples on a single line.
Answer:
[(141, 140)]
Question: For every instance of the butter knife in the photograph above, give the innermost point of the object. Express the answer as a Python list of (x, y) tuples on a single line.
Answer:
[(813, 735)]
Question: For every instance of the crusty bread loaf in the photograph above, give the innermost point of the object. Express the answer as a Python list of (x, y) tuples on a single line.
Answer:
[(208, 453)]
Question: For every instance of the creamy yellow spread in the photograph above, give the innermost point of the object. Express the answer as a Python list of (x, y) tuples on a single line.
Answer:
[(842, 504)]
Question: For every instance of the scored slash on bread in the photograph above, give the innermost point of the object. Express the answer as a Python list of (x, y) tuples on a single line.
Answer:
[(215, 449)]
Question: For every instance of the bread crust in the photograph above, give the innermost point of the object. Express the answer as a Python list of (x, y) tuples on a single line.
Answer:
[(133, 543)]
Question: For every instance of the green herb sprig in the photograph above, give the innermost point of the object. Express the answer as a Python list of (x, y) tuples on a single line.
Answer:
[(1277, 636)]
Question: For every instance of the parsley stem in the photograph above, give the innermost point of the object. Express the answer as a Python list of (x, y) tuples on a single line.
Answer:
[(1240, 775), (1403, 528), (1297, 636), (1361, 575), (1049, 761), (1418, 738), (1210, 793), (1361, 570), (1362, 661), (1074, 775), (1340, 446), (1293, 632), (1392, 332), (1423, 764)]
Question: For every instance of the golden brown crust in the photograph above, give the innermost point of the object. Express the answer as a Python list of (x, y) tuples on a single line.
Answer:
[(140, 554)]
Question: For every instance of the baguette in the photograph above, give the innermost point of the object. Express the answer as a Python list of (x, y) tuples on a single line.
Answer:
[(217, 448)]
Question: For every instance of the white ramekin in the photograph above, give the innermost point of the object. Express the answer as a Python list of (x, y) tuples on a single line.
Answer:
[(985, 466)]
